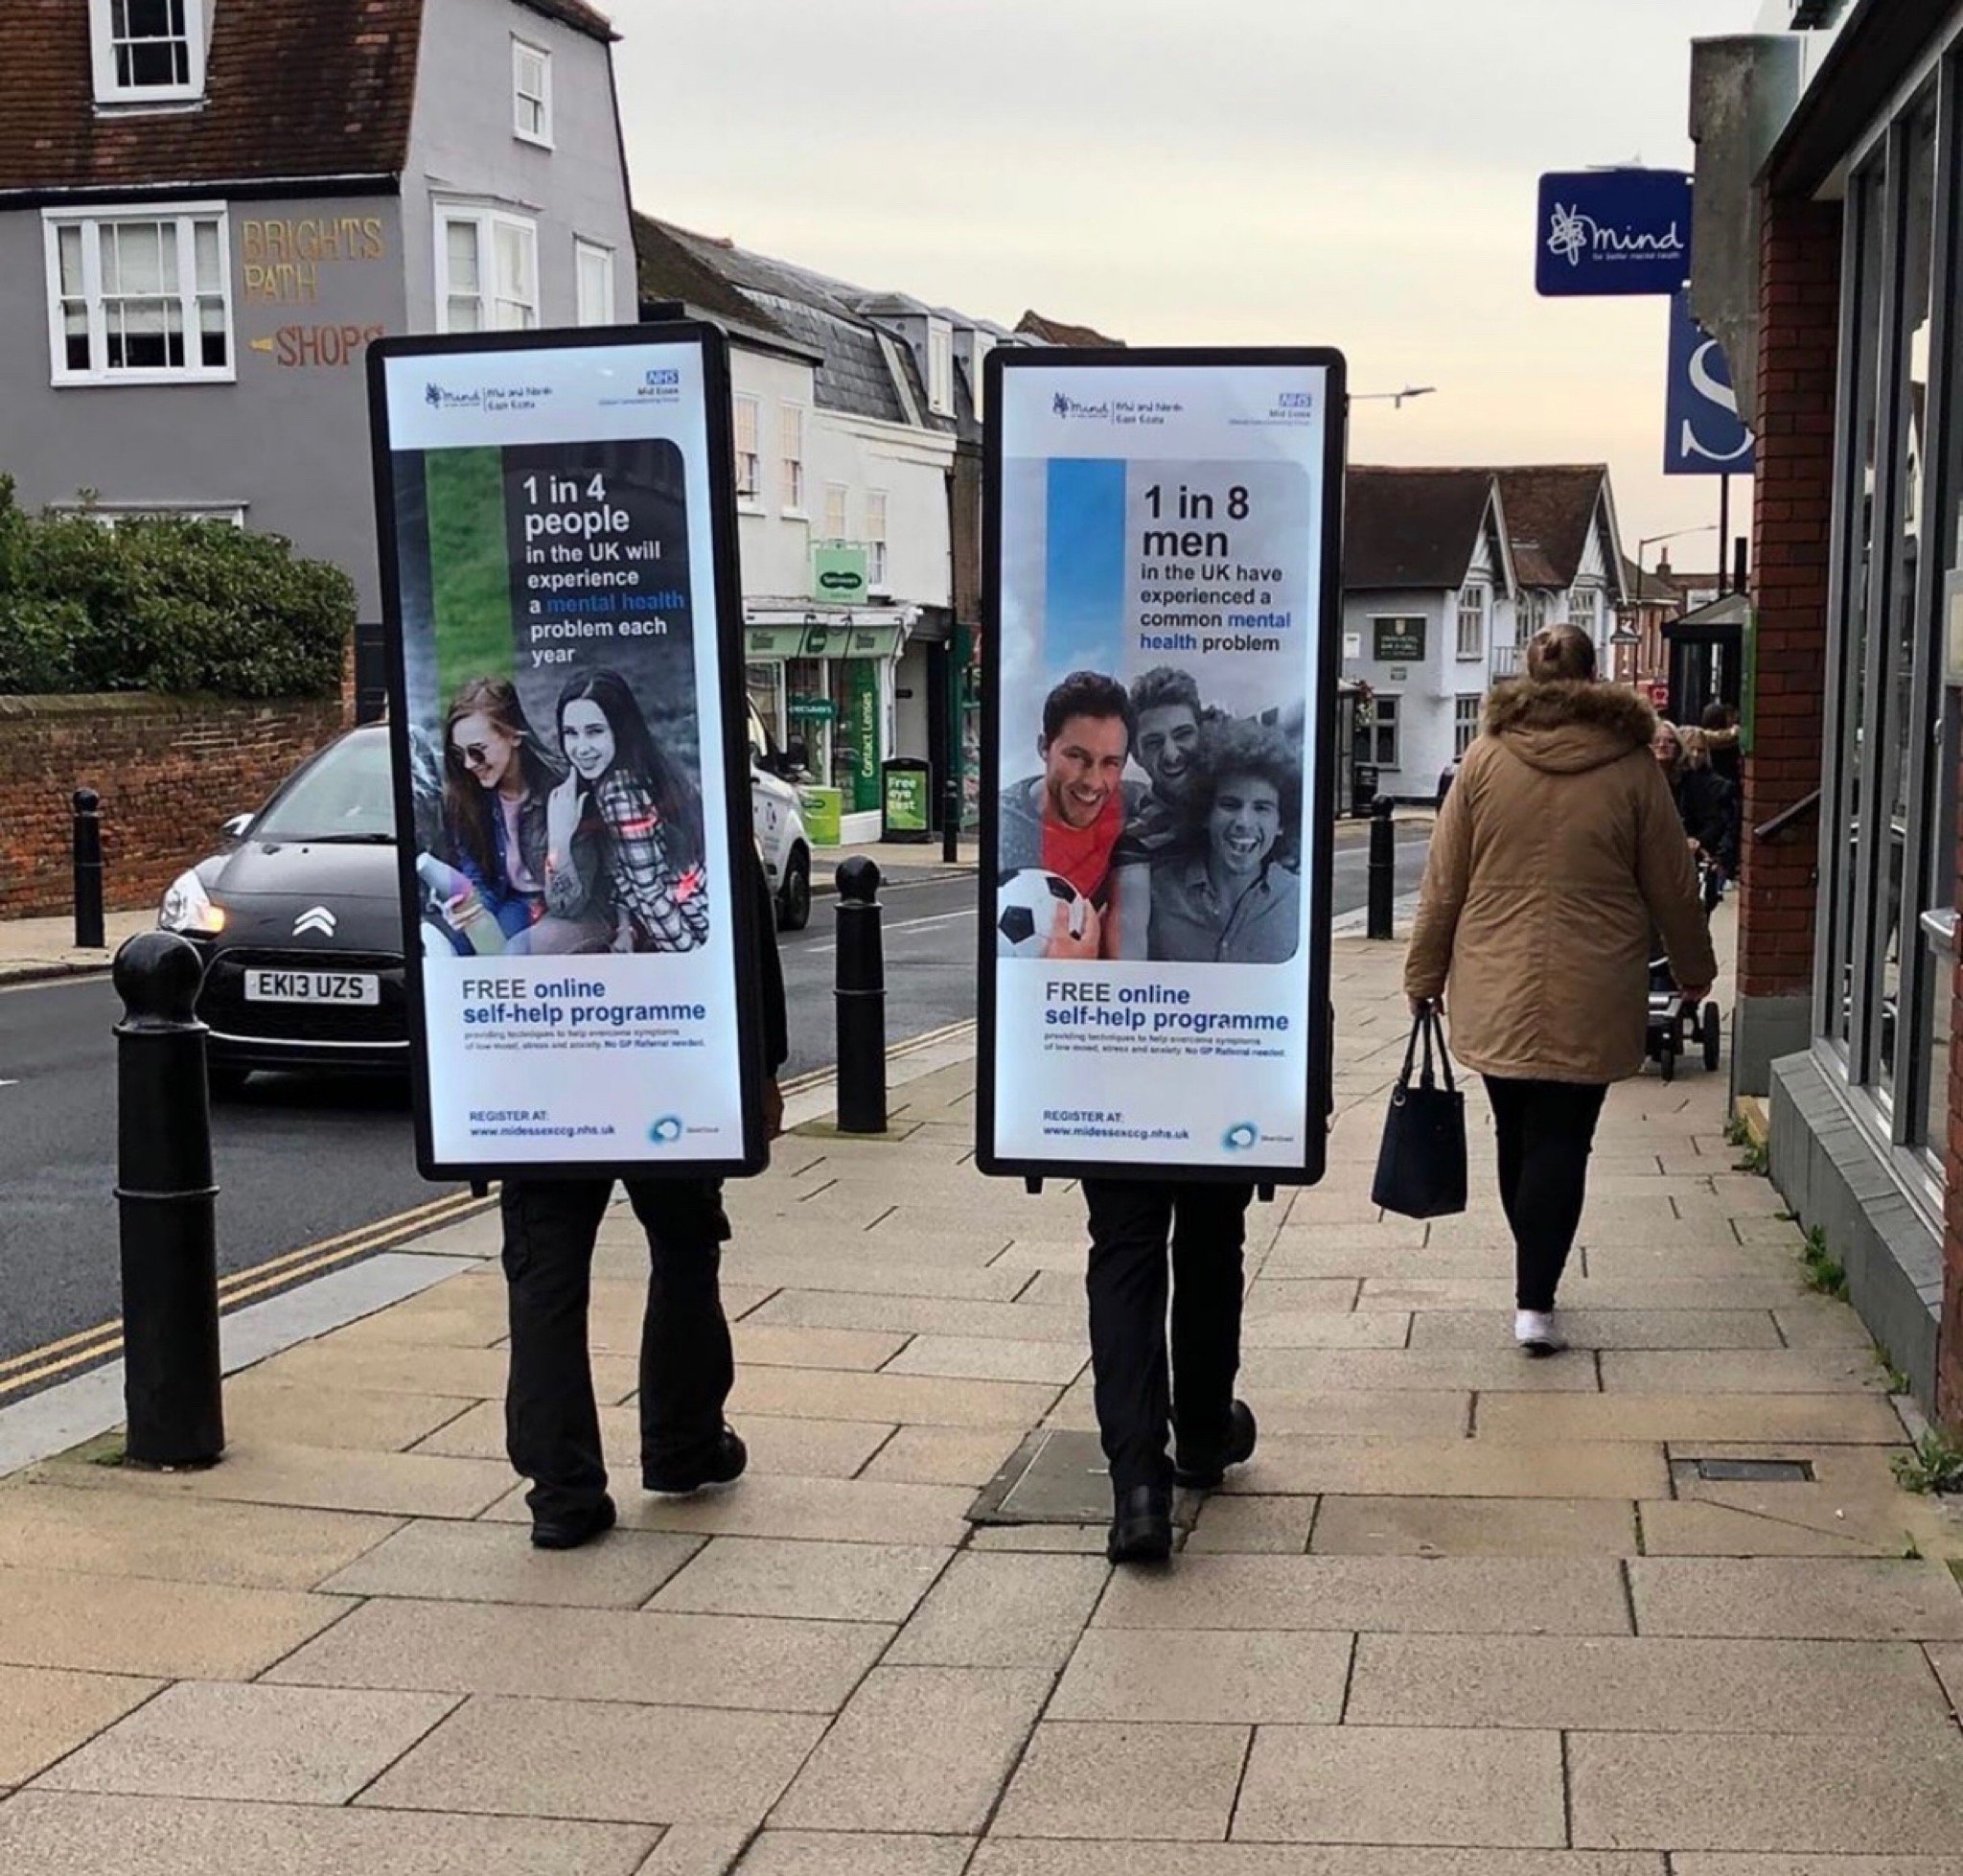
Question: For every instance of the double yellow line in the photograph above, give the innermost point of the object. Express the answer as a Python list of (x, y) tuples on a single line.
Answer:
[(91, 1345)]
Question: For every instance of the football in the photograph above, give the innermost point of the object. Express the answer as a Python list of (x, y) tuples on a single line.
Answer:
[(1025, 902)]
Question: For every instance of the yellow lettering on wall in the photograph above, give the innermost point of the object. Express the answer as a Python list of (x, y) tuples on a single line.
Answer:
[(282, 258)]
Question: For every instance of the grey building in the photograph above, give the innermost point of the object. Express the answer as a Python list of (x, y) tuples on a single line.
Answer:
[(209, 208)]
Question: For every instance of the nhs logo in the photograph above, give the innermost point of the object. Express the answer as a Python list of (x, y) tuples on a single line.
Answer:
[(664, 378)]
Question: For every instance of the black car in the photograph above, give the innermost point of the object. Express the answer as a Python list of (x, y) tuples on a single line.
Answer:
[(300, 922)]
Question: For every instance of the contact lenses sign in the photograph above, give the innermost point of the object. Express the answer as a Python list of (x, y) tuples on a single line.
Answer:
[(568, 722)]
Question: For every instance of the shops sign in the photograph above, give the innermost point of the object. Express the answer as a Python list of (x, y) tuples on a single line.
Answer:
[(1704, 435), (1613, 231), (838, 573)]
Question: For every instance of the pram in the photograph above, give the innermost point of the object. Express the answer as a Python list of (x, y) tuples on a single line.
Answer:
[(1676, 1023)]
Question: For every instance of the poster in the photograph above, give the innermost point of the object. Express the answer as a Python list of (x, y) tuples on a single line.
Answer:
[(558, 575), (1164, 618)]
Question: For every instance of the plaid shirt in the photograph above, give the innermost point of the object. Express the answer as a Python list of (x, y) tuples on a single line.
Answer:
[(669, 912)]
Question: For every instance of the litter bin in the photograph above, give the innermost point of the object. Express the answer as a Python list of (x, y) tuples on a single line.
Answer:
[(825, 811), (905, 800)]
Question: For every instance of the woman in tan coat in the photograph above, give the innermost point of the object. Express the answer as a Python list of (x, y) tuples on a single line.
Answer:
[(1556, 854)]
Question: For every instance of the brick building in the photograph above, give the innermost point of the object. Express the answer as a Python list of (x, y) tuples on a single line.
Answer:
[(1830, 191)]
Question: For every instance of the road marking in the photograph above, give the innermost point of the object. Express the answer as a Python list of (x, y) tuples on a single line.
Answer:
[(96, 1344), (904, 925), (10, 1084)]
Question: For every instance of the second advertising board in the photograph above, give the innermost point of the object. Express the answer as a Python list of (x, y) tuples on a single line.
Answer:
[(1162, 536)]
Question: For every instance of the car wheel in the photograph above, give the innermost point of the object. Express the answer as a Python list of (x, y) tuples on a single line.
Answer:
[(793, 896), (225, 1081), (1714, 1037)]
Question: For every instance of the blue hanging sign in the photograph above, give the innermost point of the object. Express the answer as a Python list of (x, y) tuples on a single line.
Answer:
[(1703, 434), (1613, 231)]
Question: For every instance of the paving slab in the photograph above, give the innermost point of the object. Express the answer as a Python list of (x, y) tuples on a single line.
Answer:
[(1677, 1528), (1642, 1684), (943, 1456), (1040, 1539), (1246, 1526), (1850, 1599), (419, 1368), (214, 1739), (1002, 1612), (1316, 1371), (1443, 1595), (1698, 1863), (1325, 1329), (844, 1510), (1452, 1468), (1205, 1677), (1606, 1328), (1584, 1294), (854, 1853), (779, 1346), (1946, 1658), (443, 1560), (262, 1411), (1822, 1323), (48, 1524), (1003, 1856), (825, 1581), (600, 1759), (1271, 1296), (696, 1851), (917, 1749), (922, 1400), (1743, 1371), (833, 1271), (1384, 1526), (47, 1712), (1845, 1418), (926, 1315), (1402, 1785), (992, 1359), (66, 1834), (1374, 1414), (660, 1658), (1100, 1781), (128, 1625), (1794, 1791)]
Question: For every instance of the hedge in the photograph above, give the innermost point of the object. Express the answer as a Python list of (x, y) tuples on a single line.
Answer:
[(163, 605)]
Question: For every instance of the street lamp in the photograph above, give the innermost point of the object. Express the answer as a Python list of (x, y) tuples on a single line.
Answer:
[(1653, 540), (1395, 399)]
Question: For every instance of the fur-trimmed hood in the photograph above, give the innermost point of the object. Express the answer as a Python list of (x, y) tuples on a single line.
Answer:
[(1567, 727)]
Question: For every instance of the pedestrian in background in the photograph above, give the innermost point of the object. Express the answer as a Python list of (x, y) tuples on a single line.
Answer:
[(1556, 854), (552, 1425)]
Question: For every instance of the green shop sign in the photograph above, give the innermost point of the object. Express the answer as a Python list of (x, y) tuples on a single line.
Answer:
[(863, 718), (838, 573), (1399, 641), (813, 709)]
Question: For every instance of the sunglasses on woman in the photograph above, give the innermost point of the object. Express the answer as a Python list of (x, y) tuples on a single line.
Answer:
[(472, 754)]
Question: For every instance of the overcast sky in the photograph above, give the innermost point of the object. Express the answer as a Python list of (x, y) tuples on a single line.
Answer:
[(1353, 173)]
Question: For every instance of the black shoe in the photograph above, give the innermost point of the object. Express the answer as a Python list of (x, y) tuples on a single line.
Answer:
[(726, 1462), (1140, 1526), (1201, 1474), (575, 1528)]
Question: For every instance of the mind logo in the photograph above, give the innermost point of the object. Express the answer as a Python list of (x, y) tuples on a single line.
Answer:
[(666, 1131), (1241, 1136)]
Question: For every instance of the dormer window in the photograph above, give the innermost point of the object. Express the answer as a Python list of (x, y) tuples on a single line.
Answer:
[(147, 51), (940, 368)]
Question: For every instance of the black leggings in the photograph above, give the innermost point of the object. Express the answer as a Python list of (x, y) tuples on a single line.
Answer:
[(1546, 1131)]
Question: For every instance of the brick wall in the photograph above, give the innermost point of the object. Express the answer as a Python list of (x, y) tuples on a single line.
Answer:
[(168, 769), (1799, 288)]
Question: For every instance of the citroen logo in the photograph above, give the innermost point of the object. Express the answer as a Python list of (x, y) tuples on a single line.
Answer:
[(316, 919)]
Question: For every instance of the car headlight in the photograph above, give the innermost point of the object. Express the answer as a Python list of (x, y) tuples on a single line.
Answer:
[(187, 907)]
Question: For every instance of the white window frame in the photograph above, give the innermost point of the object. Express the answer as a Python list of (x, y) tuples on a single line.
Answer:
[(750, 485), (790, 460), (940, 368), (1391, 700), (585, 252), (1464, 723), (109, 89), (1474, 605), (875, 540), (187, 215), (488, 223), (1584, 610), (837, 497), (522, 50), (109, 513)]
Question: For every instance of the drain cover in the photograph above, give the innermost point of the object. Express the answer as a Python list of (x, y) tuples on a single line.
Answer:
[(1751, 1471), (1054, 1478)]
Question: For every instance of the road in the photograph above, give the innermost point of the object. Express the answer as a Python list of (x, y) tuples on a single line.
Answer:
[(302, 1160)]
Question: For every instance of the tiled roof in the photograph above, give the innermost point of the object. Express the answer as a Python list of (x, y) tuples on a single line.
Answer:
[(1057, 332), (667, 270), (577, 15), (1550, 509), (1411, 527), (295, 88)]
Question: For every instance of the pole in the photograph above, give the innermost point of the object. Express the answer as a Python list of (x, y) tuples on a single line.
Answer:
[(164, 1198), (951, 791), (861, 995), (1723, 531), (1384, 867), (88, 871)]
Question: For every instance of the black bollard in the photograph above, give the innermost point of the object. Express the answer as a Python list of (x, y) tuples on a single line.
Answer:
[(88, 871), (862, 1000), (1384, 867), (164, 1193)]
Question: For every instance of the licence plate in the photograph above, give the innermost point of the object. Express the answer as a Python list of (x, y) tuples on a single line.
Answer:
[(313, 986)]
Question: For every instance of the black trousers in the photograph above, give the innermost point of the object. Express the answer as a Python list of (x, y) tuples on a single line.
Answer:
[(1546, 1130), (552, 1427), (1132, 1223)]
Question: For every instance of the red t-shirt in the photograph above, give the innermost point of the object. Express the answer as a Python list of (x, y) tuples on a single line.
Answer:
[(1082, 855)]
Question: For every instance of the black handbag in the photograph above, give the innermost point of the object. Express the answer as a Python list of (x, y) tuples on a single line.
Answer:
[(1420, 1167)]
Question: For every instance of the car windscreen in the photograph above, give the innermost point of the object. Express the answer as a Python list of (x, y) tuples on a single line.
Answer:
[(344, 795)]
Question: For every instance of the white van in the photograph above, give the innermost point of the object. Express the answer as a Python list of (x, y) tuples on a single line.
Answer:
[(777, 818)]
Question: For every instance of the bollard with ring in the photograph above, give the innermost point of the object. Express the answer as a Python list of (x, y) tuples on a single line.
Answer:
[(1383, 868), (861, 1000), (165, 1196), (88, 871)]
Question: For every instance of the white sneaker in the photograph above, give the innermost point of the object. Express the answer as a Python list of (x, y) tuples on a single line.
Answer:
[(1535, 1332)]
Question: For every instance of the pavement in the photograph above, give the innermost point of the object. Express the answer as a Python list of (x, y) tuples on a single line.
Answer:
[(32, 950), (1464, 1614)]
